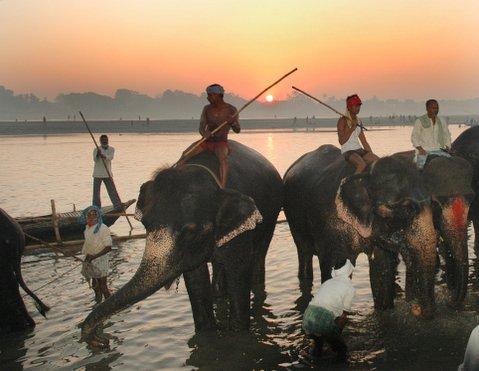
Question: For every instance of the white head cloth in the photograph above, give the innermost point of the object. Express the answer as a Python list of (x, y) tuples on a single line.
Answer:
[(344, 271), (215, 89)]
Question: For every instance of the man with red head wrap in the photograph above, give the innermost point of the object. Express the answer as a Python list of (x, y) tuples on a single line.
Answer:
[(354, 146)]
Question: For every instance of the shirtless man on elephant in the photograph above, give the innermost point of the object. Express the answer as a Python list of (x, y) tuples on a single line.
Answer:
[(213, 115)]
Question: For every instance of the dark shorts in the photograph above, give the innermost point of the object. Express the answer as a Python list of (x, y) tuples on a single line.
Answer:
[(213, 146), (361, 152)]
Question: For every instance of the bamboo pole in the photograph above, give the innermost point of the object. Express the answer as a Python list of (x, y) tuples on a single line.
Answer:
[(106, 167), (328, 106), (56, 228), (198, 143), (51, 246)]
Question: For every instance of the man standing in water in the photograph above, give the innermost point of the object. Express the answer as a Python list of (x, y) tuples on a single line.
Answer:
[(213, 115), (100, 174), (350, 134), (430, 135)]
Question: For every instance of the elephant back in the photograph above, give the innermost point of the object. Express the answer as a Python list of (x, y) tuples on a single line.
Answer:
[(249, 173), (318, 172)]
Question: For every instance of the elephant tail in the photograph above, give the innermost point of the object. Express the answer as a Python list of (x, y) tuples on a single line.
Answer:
[(41, 306)]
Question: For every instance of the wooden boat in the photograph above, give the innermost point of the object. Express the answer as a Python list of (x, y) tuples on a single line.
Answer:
[(69, 227)]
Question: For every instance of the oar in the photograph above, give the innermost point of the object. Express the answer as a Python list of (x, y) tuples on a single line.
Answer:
[(327, 105), (198, 143), (106, 168)]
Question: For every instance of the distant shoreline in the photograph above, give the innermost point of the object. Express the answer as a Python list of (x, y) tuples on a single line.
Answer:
[(22, 128)]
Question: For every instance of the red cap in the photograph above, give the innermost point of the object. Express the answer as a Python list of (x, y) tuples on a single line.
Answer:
[(353, 100)]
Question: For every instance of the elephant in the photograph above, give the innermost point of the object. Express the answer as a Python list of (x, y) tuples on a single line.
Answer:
[(13, 313), (189, 221), (448, 181), (466, 146), (383, 212)]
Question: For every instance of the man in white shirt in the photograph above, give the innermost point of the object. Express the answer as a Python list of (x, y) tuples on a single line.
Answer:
[(471, 357), (326, 315), (100, 174), (430, 135)]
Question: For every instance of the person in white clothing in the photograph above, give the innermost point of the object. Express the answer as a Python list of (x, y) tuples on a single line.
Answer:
[(96, 249), (326, 314), (354, 146), (471, 356), (100, 174), (430, 135)]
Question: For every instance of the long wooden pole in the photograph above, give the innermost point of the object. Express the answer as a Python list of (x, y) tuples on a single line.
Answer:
[(56, 228), (54, 248), (328, 106), (198, 143), (106, 168)]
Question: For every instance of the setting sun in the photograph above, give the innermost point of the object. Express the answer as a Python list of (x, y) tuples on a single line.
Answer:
[(269, 98)]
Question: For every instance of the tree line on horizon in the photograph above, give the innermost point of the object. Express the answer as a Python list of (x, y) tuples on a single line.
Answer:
[(175, 104)]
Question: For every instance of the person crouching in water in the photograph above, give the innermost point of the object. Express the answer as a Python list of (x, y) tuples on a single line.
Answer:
[(350, 134), (326, 314), (213, 115), (96, 249)]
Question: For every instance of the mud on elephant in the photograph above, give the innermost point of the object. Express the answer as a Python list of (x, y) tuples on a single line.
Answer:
[(383, 212), (13, 313), (190, 221)]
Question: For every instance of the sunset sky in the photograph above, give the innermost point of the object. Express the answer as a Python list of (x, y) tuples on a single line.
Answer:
[(392, 49)]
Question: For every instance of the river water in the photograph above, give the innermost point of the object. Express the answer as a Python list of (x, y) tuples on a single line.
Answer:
[(158, 332)]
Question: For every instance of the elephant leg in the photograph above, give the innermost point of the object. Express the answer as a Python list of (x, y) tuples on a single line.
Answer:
[(238, 282), (382, 272), (200, 292), (259, 272), (326, 265), (305, 249), (13, 312), (454, 235)]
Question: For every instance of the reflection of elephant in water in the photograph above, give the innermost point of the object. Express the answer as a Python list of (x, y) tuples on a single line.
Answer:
[(381, 212), (189, 221), (467, 146), (13, 313), (448, 182)]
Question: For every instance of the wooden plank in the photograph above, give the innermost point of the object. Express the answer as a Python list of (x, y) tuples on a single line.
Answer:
[(55, 223)]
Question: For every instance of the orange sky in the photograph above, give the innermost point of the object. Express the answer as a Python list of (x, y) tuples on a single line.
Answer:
[(398, 49)]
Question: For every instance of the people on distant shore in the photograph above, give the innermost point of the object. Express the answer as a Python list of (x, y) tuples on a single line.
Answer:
[(326, 315), (430, 135), (100, 174), (354, 146), (213, 115), (96, 249)]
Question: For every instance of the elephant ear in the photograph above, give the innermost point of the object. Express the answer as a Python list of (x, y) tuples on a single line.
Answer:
[(142, 198), (237, 213), (354, 205)]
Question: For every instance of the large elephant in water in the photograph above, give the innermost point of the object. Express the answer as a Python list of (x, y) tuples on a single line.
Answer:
[(382, 212), (467, 146), (448, 181), (13, 313), (190, 221)]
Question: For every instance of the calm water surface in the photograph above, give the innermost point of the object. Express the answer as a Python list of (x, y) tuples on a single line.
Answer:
[(158, 332)]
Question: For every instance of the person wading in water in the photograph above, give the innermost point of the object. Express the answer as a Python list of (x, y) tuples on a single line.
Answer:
[(213, 115), (351, 136)]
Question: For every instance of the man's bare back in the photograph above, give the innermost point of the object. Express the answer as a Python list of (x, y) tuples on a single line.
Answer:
[(215, 115)]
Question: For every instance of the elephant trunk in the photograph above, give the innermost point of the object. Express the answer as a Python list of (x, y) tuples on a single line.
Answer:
[(421, 239), (454, 234), (155, 271)]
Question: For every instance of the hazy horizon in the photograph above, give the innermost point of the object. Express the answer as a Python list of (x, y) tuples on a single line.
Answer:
[(396, 49)]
